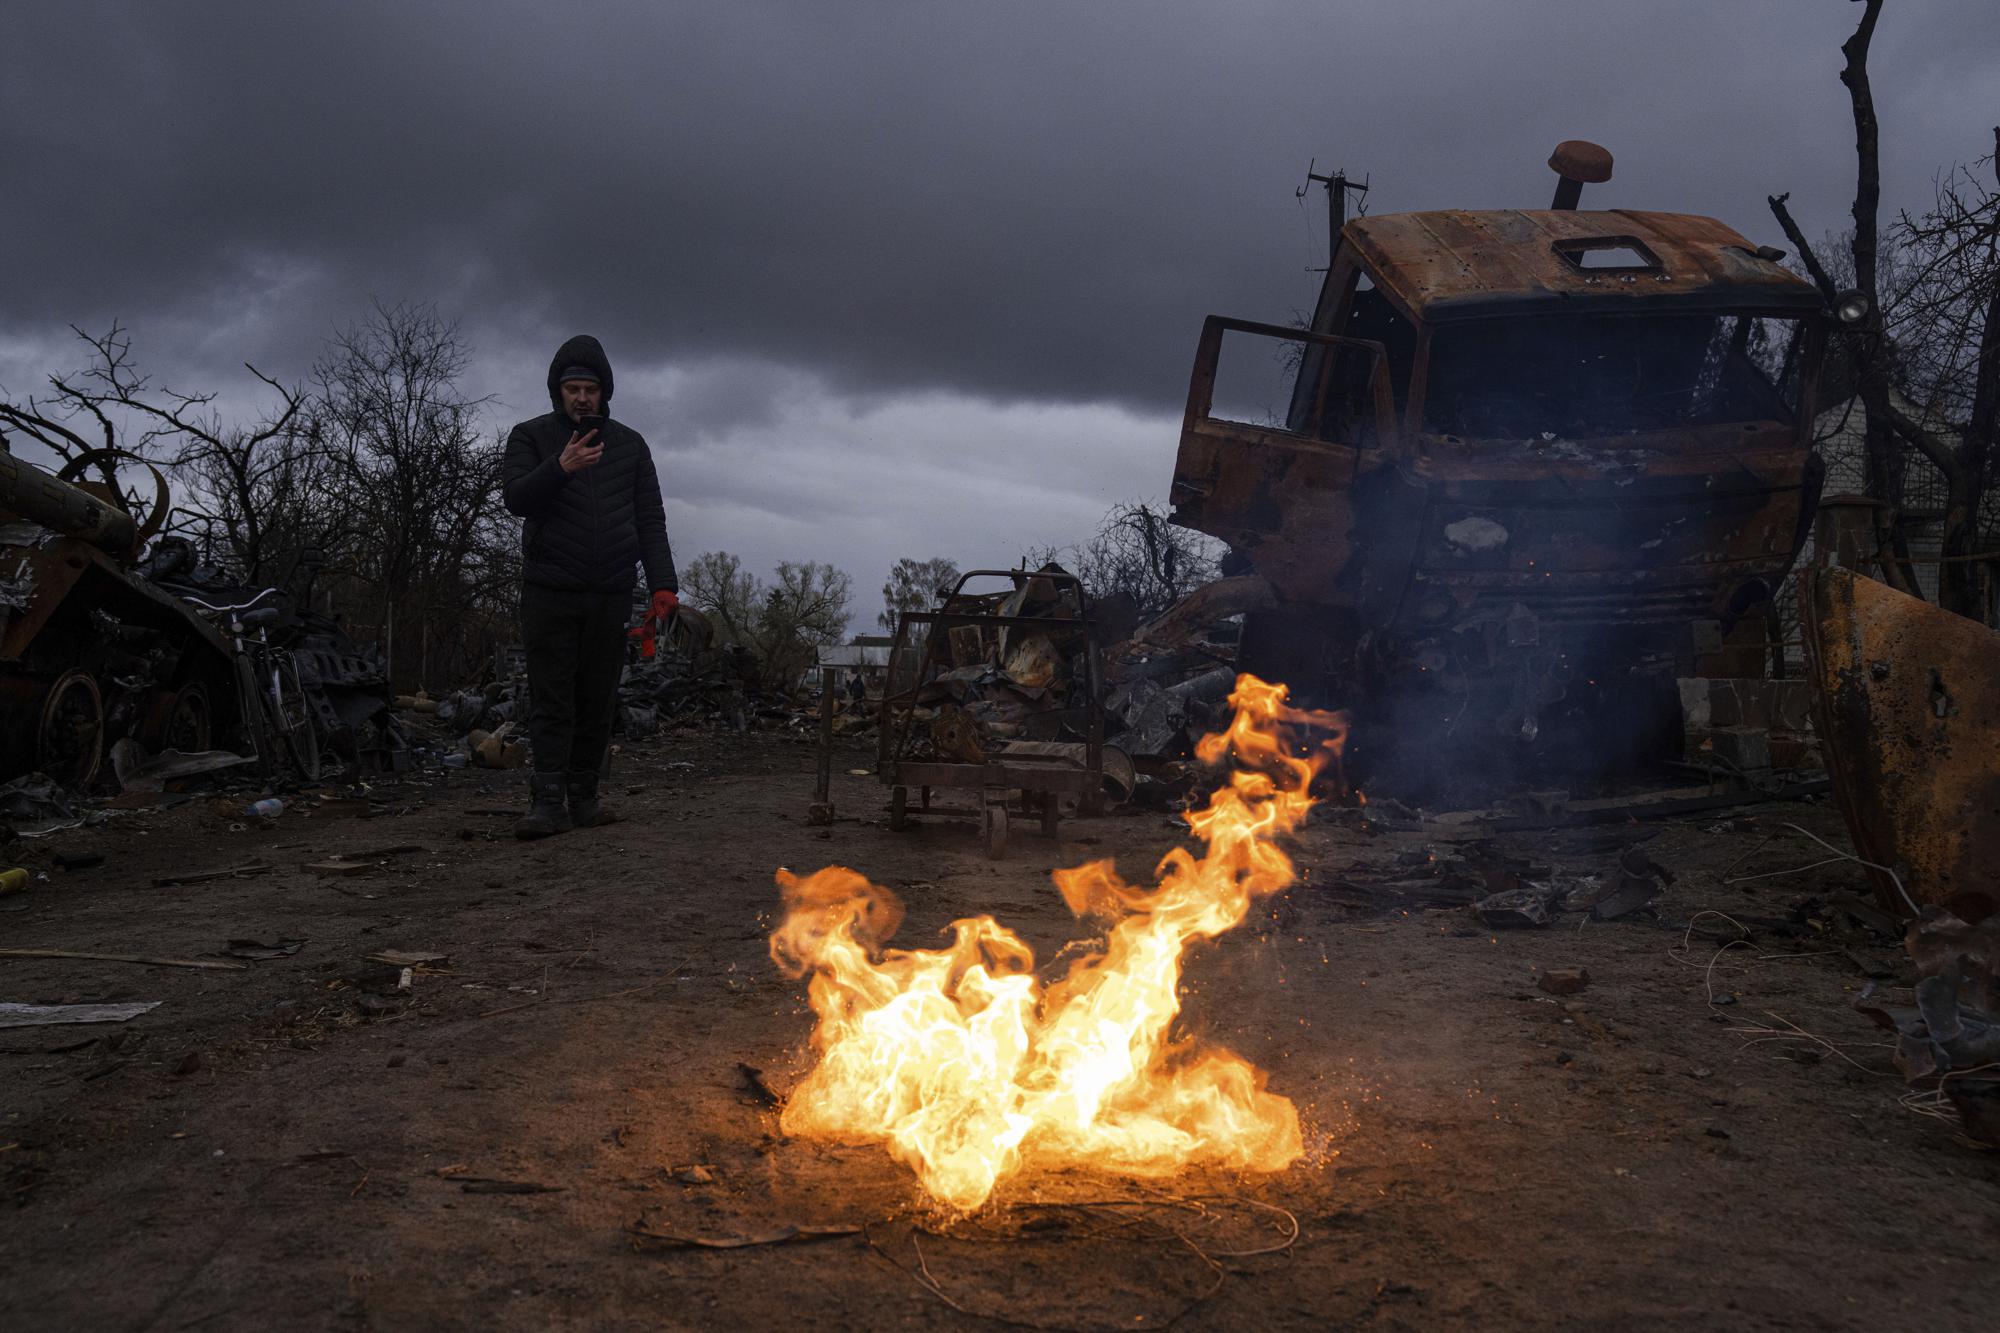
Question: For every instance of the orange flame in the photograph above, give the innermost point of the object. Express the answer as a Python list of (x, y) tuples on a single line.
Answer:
[(967, 1067)]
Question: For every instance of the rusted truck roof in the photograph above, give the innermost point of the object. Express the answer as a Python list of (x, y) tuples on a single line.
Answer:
[(1460, 264)]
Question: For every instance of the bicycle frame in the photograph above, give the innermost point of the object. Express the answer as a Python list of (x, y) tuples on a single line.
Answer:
[(262, 701)]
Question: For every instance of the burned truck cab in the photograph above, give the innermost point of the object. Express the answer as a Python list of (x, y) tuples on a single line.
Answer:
[(1528, 464)]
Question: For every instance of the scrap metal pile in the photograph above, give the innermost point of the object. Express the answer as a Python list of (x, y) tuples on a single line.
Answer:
[(693, 681), (1952, 1032), (993, 683), (978, 687), (688, 680), (1170, 678)]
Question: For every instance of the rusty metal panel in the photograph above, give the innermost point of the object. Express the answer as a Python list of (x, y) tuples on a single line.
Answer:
[(57, 568), (1460, 264), (1629, 540), (1285, 504), (1670, 527), (1285, 500), (1907, 705)]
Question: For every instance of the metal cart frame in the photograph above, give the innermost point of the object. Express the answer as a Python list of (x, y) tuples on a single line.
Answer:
[(1042, 779)]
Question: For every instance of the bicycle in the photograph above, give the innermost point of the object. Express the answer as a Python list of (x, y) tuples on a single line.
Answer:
[(277, 716)]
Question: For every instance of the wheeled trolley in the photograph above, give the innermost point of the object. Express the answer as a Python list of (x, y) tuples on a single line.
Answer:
[(1011, 639)]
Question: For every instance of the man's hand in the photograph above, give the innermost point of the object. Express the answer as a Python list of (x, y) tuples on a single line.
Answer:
[(664, 604), (580, 453)]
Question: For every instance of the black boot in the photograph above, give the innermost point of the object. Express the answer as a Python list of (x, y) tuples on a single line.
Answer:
[(585, 811), (545, 810)]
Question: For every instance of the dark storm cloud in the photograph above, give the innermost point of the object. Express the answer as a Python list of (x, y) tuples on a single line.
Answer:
[(1012, 201)]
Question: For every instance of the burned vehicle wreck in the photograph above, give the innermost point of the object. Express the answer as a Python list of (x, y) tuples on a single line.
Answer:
[(109, 658), (89, 652), (1523, 469)]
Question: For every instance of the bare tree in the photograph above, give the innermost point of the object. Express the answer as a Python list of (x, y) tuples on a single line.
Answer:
[(57, 421), (1867, 340), (1947, 330), (384, 469), (1940, 331), (914, 585), (260, 484), (1138, 553), (421, 479)]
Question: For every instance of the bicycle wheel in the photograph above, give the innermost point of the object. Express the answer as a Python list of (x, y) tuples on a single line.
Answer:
[(297, 723), (254, 707)]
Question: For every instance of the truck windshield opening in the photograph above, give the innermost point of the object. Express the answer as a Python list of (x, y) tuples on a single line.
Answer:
[(1597, 375)]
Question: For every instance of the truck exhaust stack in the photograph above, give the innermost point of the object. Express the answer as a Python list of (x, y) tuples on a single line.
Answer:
[(1579, 162)]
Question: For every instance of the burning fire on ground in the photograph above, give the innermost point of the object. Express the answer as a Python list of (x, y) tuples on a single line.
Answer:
[(967, 1066)]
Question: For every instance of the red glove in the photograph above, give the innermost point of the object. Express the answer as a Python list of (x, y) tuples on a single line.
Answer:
[(664, 604)]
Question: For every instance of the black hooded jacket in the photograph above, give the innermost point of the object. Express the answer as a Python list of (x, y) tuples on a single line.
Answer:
[(585, 531)]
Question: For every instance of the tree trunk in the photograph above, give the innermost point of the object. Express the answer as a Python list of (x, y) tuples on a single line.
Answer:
[(1884, 453)]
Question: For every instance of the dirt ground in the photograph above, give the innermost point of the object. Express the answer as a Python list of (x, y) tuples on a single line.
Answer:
[(262, 1150)]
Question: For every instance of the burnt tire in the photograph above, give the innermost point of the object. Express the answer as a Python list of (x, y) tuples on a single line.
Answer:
[(182, 720), (69, 730)]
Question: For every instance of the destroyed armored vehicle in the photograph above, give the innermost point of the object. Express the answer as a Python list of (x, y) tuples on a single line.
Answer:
[(90, 653), (1522, 469), (107, 659)]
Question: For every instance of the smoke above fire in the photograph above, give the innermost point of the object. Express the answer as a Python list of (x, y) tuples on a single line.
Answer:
[(968, 1067)]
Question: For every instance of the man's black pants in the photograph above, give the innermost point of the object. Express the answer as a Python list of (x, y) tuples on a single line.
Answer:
[(576, 652)]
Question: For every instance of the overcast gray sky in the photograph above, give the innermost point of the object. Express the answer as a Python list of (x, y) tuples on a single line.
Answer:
[(878, 279)]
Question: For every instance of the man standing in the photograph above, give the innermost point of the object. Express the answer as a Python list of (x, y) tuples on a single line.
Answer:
[(591, 496)]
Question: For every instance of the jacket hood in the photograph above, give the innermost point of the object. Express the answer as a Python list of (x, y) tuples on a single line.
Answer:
[(582, 350)]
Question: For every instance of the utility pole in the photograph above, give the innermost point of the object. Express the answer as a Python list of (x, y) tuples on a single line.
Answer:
[(1337, 185)]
